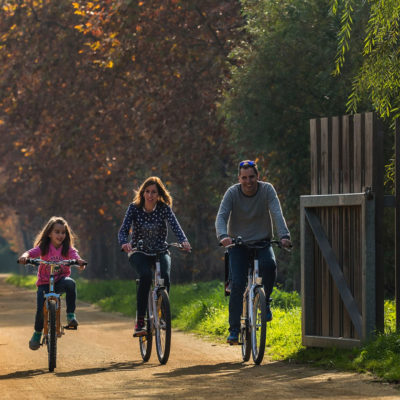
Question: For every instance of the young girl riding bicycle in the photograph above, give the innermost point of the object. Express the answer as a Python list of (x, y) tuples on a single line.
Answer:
[(55, 242)]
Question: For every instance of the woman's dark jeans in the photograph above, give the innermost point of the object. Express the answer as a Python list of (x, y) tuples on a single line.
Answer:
[(143, 265), (64, 285), (238, 262)]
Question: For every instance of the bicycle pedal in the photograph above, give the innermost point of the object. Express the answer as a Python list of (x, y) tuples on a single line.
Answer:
[(71, 328)]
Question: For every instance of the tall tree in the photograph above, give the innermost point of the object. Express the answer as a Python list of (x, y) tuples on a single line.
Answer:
[(280, 80), (378, 78), (98, 95)]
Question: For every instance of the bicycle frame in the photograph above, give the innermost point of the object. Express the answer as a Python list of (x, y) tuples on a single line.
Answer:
[(153, 295), (56, 297), (253, 320), (52, 309), (158, 310), (253, 281)]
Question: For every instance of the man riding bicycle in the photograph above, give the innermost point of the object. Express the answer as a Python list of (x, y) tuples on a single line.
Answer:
[(246, 210)]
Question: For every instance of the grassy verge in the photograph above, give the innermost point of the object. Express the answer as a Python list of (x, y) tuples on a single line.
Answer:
[(202, 308)]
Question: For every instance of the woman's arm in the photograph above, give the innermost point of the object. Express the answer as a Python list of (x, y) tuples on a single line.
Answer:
[(123, 232), (174, 224)]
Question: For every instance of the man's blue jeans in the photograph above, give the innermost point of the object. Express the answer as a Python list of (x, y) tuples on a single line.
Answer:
[(64, 285), (239, 258), (143, 265)]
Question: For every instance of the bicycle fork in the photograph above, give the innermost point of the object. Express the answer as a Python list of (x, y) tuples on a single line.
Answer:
[(52, 296), (153, 296), (254, 281)]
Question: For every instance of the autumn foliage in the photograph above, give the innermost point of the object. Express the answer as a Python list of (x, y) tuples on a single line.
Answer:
[(96, 96)]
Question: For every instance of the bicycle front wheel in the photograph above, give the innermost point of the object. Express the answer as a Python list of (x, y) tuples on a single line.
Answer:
[(52, 335), (146, 342), (245, 332), (163, 330), (258, 325)]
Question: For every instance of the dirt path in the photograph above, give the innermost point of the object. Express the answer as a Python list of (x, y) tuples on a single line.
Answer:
[(102, 361)]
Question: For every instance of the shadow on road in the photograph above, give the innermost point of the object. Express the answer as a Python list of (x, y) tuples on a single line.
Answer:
[(112, 367), (24, 374)]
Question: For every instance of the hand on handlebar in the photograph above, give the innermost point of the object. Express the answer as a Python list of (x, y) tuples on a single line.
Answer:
[(286, 243), (82, 264), (127, 248), (186, 246), (226, 241)]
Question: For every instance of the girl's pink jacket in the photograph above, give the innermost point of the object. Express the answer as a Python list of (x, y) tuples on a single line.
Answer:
[(53, 255)]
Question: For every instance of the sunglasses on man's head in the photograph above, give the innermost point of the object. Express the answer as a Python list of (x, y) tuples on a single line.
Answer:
[(247, 163)]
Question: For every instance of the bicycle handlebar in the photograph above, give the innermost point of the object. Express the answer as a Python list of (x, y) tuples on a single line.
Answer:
[(265, 243), (151, 252), (38, 261)]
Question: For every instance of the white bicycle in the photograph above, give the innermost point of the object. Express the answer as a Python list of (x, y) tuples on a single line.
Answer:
[(158, 313)]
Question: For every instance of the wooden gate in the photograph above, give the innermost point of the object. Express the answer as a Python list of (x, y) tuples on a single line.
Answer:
[(341, 224)]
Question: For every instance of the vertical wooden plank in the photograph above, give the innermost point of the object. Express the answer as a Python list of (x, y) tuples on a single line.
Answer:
[(347, 153), (307, 276), (324, 218), (369, 150), (326, 156), (315, 142), (317, 287), (368, 253), (377, 187), (348, 187), (336, 155), (352, 240), (347, 324), (315, 146), (341, 261), (358, 268), (358, 157), (370, 183), (337, 304)]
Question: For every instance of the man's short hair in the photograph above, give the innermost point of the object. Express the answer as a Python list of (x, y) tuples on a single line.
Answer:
[(245, 164)]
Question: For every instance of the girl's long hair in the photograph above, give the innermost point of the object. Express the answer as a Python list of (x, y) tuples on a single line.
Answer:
[(43, 241), (163, 193)]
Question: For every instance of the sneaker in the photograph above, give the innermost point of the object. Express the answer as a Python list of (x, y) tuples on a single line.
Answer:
[(72, 322), (34, 343), (140, 328), (233, 337), (269, 313)]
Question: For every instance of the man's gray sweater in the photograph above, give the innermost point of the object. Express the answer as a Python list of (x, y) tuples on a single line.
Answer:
[(250, 216)]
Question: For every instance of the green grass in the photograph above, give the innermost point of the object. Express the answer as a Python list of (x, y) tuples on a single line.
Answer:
[(202, 308)]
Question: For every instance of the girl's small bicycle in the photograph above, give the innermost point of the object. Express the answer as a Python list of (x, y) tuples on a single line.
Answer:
[(158, 313), (52, 328)]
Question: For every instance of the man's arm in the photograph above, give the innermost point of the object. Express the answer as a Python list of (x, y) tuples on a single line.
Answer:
[(275, 209), (221, 222)]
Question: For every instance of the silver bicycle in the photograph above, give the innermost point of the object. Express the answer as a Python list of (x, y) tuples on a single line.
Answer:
[(158, 313), (253, 320)]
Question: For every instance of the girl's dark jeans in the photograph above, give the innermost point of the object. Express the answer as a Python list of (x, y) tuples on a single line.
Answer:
[(238, 263), (143, 265), (64, 285)]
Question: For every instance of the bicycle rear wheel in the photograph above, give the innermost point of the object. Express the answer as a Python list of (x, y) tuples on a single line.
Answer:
[(163, 331), (52, 336), (146, 342), (258, 325)]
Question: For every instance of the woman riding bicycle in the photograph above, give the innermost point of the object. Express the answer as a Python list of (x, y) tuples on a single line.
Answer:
[(148, 215), (246, 210)]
